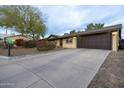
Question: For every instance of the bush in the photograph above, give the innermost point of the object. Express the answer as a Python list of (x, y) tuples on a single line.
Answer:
[(29, 44), (121, 46), (46, 46), (19, 42), (39, 43)]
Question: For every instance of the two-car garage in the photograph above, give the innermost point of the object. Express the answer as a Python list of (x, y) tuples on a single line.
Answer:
[(105, 38), (95, 41)]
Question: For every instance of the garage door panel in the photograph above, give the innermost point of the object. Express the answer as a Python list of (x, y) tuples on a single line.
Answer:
[(98, 41)]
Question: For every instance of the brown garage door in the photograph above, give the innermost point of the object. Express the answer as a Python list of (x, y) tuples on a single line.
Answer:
[(97, 41)]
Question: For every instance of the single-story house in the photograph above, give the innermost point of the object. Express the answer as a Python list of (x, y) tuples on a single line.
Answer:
[(104, 38)]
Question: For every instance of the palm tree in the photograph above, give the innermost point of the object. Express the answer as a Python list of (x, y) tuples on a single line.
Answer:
[(92, 26), (98, 26), (72, 31)]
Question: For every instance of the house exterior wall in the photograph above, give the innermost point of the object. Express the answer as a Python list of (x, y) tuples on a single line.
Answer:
[(70, 45), (115, 41), (57, 43)]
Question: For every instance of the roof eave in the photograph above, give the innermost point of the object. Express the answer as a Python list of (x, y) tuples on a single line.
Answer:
[(103, 30)]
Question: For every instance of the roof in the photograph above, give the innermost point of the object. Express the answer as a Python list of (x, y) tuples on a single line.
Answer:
[(17, 36), (117, 27), (53, 36)]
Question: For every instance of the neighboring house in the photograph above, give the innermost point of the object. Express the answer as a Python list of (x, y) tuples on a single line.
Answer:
[(2, 36), (14, 37), (105, 38)]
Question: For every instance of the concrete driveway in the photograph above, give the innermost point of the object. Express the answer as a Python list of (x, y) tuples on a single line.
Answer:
[(69, 68)]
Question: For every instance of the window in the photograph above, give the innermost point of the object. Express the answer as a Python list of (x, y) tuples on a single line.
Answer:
[(69, 40)]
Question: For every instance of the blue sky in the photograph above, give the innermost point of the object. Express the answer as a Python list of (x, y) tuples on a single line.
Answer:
[(61, 19)]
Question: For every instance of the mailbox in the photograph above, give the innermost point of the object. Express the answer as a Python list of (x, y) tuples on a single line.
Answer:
[(9, 43)]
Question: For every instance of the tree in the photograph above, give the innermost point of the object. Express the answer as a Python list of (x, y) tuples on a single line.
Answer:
[(6, 20), (66, 34), (72, 32), (36, 26), (26, 19), (92, 26)]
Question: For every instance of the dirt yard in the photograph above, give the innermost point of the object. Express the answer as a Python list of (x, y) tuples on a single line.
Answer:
[(111, 73), (23, 51), (19, 51)]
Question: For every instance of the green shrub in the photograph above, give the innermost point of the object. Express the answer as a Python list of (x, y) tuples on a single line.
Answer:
[(29, 44), (5, 45), (46, 46), (121, 46)]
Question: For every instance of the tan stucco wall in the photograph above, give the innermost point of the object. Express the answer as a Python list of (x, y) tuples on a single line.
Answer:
[(58, 43), (70, 45), (115, 41)]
